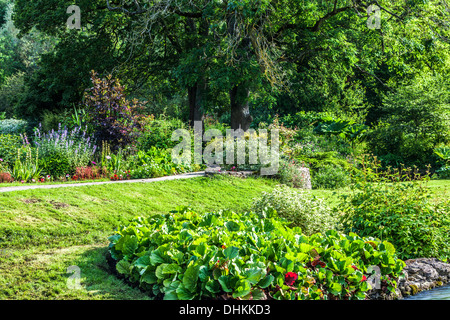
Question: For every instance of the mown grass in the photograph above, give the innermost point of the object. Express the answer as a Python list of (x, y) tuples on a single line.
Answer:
[(44, 231)]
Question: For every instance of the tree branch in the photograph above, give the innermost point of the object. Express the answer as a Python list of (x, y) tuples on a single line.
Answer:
[(335, 11)]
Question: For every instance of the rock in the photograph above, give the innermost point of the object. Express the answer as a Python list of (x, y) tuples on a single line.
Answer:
[(418, 275), (306, 178)]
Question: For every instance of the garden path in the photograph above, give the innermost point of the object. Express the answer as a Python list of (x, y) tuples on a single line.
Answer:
[(43, 186)]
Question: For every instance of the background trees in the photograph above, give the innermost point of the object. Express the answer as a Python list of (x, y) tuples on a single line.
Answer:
[(241, 62)]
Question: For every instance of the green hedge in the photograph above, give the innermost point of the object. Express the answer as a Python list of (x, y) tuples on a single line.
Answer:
[(185, 255), (8, 147)]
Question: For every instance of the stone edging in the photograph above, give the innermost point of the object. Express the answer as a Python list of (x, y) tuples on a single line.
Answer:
[(418, 275)]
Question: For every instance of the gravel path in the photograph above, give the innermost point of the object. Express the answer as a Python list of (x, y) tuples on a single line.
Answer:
[(50, 186)]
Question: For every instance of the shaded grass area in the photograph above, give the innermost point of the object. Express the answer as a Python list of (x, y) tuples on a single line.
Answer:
[(44, 231)]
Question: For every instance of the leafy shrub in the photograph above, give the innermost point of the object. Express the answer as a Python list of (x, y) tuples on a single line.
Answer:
[(55, 163), (63, 150), (113, 117), (300, 208), (184, 255), (155, 163), (12, 126), (8, 147), (158, 133), (394, 207), (330, 177), (443, 172)]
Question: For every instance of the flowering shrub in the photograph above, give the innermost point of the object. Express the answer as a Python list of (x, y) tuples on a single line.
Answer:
[(290, 174), (26, 169), (298, 207), (185, 255), (63, 150)]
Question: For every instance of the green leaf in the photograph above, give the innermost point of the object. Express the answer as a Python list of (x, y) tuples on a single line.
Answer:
[(224, 282), (159, 272), (231, 252), (123, 267), (232, 226), (335, 288), (213, 286), (142, 262), (172, 268), (253, 275), (190, 277), (265, 282), (243, 288), (149, 277), (127, 244), (184, 294), (157, 256)]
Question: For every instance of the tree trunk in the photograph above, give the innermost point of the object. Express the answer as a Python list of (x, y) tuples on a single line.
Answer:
[(194, 97), (240, 110)]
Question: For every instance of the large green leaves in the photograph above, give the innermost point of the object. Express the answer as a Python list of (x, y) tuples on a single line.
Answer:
[(193, 260)]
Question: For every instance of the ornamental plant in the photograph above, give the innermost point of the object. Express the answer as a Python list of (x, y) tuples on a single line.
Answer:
[(63, 150), (185, 255), (299, 207), (26, 169), (114, 119)]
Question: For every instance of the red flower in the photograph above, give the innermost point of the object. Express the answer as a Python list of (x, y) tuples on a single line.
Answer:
[(354, 267), (363, 278), (290, 278)]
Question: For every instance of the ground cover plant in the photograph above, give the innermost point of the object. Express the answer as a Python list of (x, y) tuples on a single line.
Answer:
[(185, 255)]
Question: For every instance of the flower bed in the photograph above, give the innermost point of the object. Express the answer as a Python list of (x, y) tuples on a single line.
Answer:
[(185, 255)]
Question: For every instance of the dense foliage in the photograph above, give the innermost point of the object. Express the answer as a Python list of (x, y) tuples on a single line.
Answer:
[(392, 207), (186, 255)]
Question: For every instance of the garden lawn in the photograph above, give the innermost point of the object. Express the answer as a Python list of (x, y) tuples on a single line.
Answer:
[(44, 231)]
